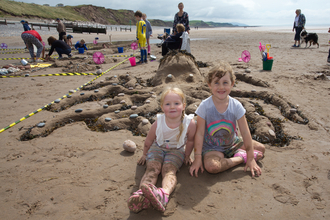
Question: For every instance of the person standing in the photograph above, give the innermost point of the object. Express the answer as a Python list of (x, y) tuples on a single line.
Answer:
[(329, 50), (181, 18), (148, 31), (141, 36), (298, 25), (61, 30)]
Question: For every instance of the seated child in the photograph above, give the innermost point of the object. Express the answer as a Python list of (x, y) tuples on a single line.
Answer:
[(167, 146), (80, 44), (173, 41)]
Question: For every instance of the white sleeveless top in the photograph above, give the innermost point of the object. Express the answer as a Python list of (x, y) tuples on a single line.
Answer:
[(167, 137)]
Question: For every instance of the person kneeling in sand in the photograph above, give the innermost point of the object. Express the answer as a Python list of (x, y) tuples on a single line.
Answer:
[(216, 140), (60, 46), (168, 144)]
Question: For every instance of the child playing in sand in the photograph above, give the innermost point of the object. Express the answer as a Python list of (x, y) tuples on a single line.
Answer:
[(80, 44), (164, 151), (69, 39), (216, 140), (141, 36)]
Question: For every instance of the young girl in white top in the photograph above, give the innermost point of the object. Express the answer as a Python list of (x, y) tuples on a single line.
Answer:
[(168, 144), (216, 138)]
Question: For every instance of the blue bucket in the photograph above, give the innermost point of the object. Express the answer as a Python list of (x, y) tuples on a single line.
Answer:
[(81, 50), (120, 50), (167, 30)]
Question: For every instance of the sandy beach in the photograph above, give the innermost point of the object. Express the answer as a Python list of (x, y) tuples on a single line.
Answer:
[(74, 167)]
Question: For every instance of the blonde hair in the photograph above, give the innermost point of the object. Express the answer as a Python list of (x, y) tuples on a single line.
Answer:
[(179, 92), (219, 71), (180, 28)]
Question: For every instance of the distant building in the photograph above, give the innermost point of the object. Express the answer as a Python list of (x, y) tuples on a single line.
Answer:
[(45, 4), (60, 5)]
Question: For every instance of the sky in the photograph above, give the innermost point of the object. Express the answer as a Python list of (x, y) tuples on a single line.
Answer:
[(250, 12)]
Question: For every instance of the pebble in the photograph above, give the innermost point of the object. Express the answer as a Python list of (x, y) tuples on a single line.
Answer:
[(250, 76), (248, 70), (102, 81), (82, 93), (105, 106), (117, 111), (253, 90), (148, 101), (27, 75), (169, 76), (114, 84), (41, 124), (78, 110), (145, 121), (96, 90), (129, 146), (191, 75), (115, 76), (69, 96), (122, 101), (127, 74), (272, 133), (153, 96), (293, 110), (121, 94), (57, 100), (99, 71), (133, 116), (152, 92), (108, 119), (71, 91), (134, 107), (256, 113), (130, 88), (269, 123)]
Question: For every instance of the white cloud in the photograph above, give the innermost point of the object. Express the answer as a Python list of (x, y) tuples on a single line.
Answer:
[(251, 12)]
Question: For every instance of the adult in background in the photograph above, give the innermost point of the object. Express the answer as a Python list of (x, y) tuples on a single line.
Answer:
[(31, 38), (61, 30), (25, 25), (298, 25), (181, 18), (60, 46), (148, 30)]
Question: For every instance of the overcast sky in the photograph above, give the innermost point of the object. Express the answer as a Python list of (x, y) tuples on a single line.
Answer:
[(250, 12)]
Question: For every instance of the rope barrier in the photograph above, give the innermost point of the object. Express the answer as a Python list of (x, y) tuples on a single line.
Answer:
[(54, 74), (63, 97)]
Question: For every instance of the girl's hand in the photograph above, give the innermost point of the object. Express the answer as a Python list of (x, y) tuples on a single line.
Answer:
[(142, 160), (195, 167), (187, 160), (252, 164)]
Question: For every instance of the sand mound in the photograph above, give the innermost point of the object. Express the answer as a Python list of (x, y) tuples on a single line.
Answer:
[(180, 65)]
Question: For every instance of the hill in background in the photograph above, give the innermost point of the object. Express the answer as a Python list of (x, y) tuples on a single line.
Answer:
[(85, 13)]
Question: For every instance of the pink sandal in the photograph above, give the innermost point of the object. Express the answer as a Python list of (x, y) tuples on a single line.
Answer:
[(156, 196), (243, 155), (138, 201)]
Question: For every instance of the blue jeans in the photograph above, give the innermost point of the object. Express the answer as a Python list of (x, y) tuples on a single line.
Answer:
[(61, 51)]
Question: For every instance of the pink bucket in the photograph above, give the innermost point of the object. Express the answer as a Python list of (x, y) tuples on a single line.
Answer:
[(132, 61)]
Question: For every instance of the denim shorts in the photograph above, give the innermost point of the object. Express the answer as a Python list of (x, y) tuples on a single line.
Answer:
[(166, 156)]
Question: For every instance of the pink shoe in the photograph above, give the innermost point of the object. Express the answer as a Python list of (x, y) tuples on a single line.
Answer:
[(243, 155), (156, 196), (138, 201)]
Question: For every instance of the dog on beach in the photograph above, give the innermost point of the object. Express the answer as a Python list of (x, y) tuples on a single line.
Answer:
[(309, 37)]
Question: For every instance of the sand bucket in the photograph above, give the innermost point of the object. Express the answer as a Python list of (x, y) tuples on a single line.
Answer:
[(24, 62), (120, 50), (132, 61), (267, 65), (81, 50)]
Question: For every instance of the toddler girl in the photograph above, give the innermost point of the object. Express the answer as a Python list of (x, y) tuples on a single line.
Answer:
[(168, 144)]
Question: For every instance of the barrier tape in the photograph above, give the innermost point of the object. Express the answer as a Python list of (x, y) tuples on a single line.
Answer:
[(63, 97), (12, 52), (12, 49), (119, 56), (14, 58), (54, 74)]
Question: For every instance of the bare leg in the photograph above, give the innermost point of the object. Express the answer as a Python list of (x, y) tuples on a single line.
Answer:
[(256, 146), (169, 178), (215, 162), (152, 172)]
